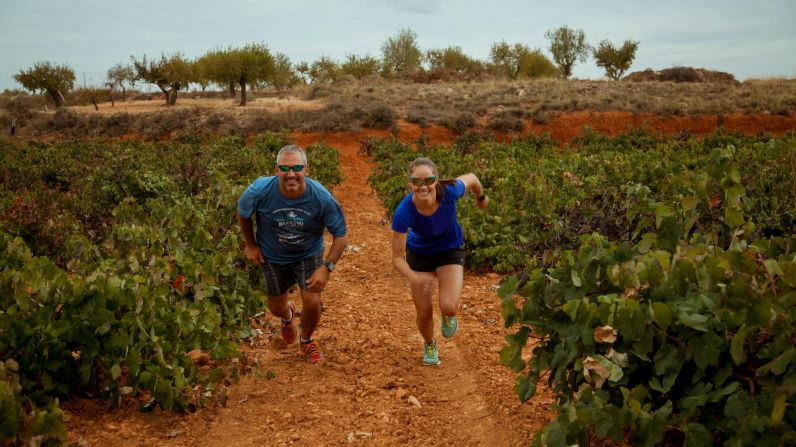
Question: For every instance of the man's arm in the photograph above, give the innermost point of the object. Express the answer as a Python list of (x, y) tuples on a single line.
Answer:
[(320, 277), (336, 250), (251, 249)]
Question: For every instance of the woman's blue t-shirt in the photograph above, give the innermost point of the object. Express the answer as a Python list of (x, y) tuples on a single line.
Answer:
[(290, 230), (431, 234)]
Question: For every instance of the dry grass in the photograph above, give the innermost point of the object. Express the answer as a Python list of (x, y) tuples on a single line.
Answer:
[(489, 99), (376, 103)]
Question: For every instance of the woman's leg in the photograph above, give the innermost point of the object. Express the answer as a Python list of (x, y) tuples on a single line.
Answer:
[(422, 290), (451, 280)]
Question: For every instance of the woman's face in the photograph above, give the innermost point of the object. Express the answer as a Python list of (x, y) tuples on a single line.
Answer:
[(422, 182)]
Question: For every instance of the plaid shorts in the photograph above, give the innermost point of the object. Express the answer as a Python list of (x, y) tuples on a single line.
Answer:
[(279, 277)]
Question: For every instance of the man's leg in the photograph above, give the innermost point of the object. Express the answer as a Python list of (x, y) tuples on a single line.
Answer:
[(278, 305), (311, 307), (310, 313), (277, 283)]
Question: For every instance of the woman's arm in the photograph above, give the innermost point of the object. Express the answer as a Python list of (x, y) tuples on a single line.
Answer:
[(399, 255), (471, 183)]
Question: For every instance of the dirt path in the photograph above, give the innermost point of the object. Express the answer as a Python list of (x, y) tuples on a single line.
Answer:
[(363, 394)]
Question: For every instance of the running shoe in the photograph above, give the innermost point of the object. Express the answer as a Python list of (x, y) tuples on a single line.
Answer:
[(289, 331), (448, 326), (430, 354), (312, 351)]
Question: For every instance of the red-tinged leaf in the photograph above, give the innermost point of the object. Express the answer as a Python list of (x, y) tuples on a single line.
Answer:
[(178, 283)]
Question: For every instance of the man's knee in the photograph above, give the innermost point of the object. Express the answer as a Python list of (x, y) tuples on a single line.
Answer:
[(278, 305), (311, 302)]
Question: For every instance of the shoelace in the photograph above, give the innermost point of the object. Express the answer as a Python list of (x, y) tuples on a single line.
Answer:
[(312, 349)]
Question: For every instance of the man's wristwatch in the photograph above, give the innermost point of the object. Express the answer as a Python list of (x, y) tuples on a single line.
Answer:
[(329, 265)]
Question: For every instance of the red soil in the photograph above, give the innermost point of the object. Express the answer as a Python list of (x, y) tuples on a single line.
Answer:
[(361, 394)]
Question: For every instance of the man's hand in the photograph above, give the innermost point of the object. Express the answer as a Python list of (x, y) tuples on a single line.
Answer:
[(254, 255), (318, 280)]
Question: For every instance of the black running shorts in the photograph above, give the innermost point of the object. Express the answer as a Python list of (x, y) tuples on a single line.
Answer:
[(430, 263)]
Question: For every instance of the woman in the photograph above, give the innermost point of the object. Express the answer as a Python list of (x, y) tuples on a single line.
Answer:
[(433, 250)]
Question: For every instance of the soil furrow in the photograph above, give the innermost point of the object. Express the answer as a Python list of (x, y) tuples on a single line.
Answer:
[(372, 389)]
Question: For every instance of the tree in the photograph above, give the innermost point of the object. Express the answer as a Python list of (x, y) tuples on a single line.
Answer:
[(170, 74), (252, 64), (303, 69), (55, 80), (359, 67), (567, 46), (217, 65), (201, 74), (324, 70), (454, 60), (615, 61), (118, 75), (502, 56), (283, 75), (401, 53), (534, 64), (518, 60)]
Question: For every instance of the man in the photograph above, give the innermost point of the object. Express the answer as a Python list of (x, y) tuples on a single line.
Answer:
[(292, 211)]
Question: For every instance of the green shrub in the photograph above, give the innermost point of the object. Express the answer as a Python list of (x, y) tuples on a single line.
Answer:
[(672, 339), (116, 260)]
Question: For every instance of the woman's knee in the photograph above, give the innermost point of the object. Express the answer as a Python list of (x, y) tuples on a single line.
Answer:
[(424, 286), (449, 307)]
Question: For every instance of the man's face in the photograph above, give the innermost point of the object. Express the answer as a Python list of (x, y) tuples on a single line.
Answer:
[(291, 182)]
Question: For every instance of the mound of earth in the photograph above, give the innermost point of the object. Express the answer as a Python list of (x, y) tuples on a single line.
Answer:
[(681, 74)]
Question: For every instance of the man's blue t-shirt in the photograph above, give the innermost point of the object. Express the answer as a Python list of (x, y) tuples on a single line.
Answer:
[(289, 230), (431, 234)]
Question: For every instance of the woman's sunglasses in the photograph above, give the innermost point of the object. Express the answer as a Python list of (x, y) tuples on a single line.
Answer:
[(286, 168), (417, 181)]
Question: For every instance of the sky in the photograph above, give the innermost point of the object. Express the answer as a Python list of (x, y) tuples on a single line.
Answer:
[(749, 39)]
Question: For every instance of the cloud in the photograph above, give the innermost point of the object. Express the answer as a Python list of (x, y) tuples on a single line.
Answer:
[(415, 6)]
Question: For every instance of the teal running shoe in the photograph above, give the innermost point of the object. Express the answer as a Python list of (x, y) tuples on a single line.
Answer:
[(430, 354), (449, 326)]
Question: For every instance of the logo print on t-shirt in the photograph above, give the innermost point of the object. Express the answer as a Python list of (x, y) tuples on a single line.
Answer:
[(290, 225)]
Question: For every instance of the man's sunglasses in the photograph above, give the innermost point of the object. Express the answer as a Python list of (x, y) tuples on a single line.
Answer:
[(417, 181), (286, 168)]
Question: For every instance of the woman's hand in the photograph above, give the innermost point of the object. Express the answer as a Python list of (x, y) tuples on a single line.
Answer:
[(482, 202)]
